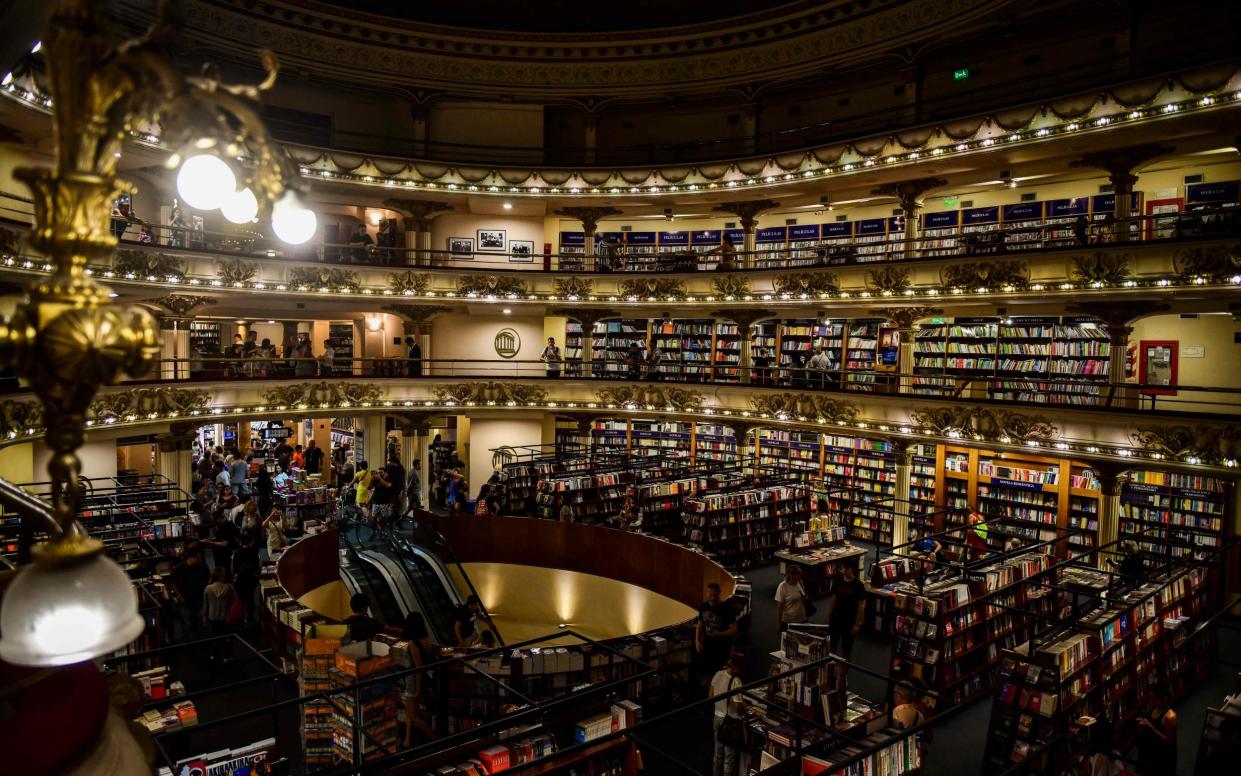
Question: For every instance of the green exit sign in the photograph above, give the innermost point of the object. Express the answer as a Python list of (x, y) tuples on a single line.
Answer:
[(960, 74), (950, 201)]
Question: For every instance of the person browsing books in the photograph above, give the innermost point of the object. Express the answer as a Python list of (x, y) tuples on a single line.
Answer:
[(715, 630), (791, 602), (845, 608)]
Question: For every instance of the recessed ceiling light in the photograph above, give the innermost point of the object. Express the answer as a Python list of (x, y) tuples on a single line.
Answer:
[(508, 205), (508, 311)]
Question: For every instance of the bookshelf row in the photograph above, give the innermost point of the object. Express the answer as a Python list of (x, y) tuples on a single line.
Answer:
[(1014, 357)]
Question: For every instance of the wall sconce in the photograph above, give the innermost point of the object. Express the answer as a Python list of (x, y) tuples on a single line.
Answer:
[(374, 323)]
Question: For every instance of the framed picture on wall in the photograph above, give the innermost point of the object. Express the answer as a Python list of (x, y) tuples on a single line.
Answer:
[(521, 250), (492, 240), (461, 247)]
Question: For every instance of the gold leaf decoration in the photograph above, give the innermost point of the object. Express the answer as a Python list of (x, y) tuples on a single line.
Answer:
[(731, 286), (1216, 263), (799, 406), (138, 264), (891, 280), (490, 392), (654, 397), (316, 278), (1207, 443), (986, 274), (660, 288), (409, 283), (1102, 267), (491, 285), (808, 283), (142, 402), (20, 417), (310, 395), (232, 272), (573, 286), (992, 425)]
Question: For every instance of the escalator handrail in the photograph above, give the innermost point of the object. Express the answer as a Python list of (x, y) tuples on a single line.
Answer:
[(445, 549), (391, 539)]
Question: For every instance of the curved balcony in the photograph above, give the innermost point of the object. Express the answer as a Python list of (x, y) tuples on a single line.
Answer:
[(1196, 435), (1164, 261)]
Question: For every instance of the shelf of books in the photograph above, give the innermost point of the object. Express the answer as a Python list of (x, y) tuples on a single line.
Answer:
[(970, 346), (979, 230), (686, 346), (950, 634), (673, 246), (868, 469), (862, 354), (1177, 515), (1070, 349), (205, 337), (1061, 214), (573, 348), (572, 251), (1101, 664), (769, 242), (743, 525), (640, 251), (727, 353), (611, 436), (939, 232), (930, 359), (611, 341), (593, 497), (1023, 226), (1084, 499), (714, 444), (957, 470), (922, 487), (799, 338), (668, 439), (341, 335), (870, 236), (803, 245), (1025, 493), (797, 452)]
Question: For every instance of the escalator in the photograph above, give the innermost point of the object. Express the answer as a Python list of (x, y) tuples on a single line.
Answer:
[(399, 577)]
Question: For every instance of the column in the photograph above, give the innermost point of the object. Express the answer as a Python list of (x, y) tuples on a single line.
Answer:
[(374, 441), (590, 218), (745, 320), (174, 343), (747, 214), (418, 214), (1119, 164), (420, 114), (1111, 482), (906, 319), (172, 458), (416, 322), (903, 452), (909, 194)]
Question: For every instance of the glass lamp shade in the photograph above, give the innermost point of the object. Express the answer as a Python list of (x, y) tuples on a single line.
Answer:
[(58, 614), (241, 207), (205, 182), (293, 223)]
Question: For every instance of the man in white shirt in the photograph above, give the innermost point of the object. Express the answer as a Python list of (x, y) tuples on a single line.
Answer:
[(818, 365), (728, 678), (551, 357)]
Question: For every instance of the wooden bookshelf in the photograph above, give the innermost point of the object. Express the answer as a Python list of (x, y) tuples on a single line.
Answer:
[(744, 525), (1182, 514)]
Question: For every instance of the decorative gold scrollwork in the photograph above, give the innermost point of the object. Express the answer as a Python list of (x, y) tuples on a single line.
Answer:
[(651, 397), (490, 392), (322, 394)]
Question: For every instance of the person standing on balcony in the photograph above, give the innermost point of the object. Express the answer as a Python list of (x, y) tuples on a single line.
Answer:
[(635, 360), (327, 361), (413, 357), (818, 366), (551, 357), (727, 253), (178, 228), (360, 243), (304, 360)]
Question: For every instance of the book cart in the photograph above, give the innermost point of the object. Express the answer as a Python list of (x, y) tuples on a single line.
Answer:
[(1112, 638)]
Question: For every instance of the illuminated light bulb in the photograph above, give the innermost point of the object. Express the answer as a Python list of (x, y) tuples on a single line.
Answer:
[(205, 182), (241, 207), (293, 223)]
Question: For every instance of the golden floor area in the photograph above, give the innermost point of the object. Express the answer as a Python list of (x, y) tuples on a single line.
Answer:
[(529, 601)]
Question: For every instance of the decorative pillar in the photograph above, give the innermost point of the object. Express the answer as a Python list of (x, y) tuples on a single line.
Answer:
[(172, 457), (745, 320), (1111, 482), (418, 214), (905, 318), (415, 433), (588, 317), (741, 428), (585, 422), (902, 451), (416, 319), (747, 214), (1116, 317), (175, 311), (590, 218), (909, 194), (1119, 164), (374, 441)]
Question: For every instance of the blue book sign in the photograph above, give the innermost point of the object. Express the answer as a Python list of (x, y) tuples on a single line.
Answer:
[(944, 219), (706, 237), (804, 232), (980, 215), (572, 238), (771, 234), (1023, 211), (872, 226), (674, 238), (838, 229), (1059, 208), (641, 238)]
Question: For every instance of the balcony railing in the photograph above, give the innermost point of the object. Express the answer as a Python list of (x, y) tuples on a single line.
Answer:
[(923, 383), (989, 241)]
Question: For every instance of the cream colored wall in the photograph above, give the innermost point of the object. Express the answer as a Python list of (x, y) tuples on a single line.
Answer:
[(17, 464), (487, 434), (492, 124), (1216, 368), (515, 227), (98, 458), (464, 336)]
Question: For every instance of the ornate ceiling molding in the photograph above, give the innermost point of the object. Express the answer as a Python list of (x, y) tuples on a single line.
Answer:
[(333, 42)]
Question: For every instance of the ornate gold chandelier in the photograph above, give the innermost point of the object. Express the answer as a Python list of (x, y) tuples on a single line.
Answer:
[(67, 339)]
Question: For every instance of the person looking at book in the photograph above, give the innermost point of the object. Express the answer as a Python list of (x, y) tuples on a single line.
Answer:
[(421, 653), (189, 579), (976, 536), (927, 547), (792, 606), (715, 630), (218, 597), (845, 608), (905, 711), (728, 728), (1157, 734), (274, 525)]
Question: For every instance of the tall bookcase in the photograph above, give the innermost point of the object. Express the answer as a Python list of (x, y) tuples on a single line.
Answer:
[(1182, 515), (797, 452), (862, 353), (341, 335), (687, 345), (611, 341), (726, 355), (573, 339), (922, 489), (744, 525), (205, 337)]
